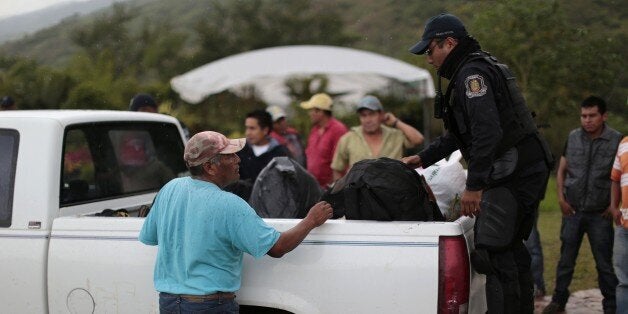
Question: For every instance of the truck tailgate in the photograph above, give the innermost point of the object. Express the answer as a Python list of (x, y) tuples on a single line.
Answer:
[(351, 267)]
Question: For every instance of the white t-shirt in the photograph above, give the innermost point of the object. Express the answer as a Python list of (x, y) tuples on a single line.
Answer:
[(260, 149)]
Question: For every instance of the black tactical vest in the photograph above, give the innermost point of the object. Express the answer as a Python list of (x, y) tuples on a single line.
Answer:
[(515, 118)]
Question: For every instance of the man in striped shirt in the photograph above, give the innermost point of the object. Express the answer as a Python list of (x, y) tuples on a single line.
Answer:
[(619, 187)]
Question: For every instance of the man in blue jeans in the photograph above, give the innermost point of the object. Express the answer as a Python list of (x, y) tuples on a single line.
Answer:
[(202, 231), (533, 244), (583, 187)]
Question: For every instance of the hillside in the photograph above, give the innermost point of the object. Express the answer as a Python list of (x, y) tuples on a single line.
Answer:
[(401, 20), (52, 45), (387, 27), (14, 27)]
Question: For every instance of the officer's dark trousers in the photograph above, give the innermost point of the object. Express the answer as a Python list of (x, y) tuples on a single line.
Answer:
[(509, 286)]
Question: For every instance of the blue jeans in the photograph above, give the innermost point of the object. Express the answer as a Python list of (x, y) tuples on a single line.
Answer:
[(620, 261), (175, 304), (533, 243), (600, 233)]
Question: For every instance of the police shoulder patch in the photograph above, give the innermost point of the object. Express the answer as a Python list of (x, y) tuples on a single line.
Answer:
[(475, 86)]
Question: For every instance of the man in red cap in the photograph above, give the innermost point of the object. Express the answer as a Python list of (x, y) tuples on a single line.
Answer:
[(203, 231)]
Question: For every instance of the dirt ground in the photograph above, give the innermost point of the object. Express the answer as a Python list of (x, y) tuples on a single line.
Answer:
[(580, 302)]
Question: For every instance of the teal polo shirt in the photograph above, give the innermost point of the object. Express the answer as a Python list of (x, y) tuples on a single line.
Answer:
[(202, 232)]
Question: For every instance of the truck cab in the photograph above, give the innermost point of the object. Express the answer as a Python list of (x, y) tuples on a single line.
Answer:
[(62, 163)]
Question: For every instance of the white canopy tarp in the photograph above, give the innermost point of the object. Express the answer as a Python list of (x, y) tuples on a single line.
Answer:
[(351, 73)]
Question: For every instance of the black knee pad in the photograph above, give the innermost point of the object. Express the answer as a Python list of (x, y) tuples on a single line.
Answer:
[(496, 223)]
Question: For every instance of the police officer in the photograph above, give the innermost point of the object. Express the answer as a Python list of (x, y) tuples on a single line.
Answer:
[(508, 162)]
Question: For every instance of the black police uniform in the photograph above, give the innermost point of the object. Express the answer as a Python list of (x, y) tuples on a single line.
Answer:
[(506, 159)]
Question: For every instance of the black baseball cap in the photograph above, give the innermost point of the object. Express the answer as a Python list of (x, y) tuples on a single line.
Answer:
[(7, 101), (440, 26), (142, 100)]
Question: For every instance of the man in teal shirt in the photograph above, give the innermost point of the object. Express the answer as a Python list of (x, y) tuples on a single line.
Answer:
[(203, 231)]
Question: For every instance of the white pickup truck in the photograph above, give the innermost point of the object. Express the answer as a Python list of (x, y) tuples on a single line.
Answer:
[(59, 169)]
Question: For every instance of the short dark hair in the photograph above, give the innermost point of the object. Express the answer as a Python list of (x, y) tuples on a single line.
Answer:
[(263, 118), (440, 40), (325, 112), (196, 170), (593, 101)]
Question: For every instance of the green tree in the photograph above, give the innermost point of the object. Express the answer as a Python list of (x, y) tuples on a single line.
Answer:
[(108, 37), (162, 52), (115, 63), (237, 26), (97, 85), (88, 95), (31, 85), (552, 59)]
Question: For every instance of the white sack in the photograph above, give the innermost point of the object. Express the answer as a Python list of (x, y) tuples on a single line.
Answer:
[(447, 180)]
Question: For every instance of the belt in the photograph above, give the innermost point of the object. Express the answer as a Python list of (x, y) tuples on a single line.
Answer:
[(207, 297)]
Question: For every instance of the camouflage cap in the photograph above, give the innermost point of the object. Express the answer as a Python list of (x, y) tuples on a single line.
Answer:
[(205, 145)]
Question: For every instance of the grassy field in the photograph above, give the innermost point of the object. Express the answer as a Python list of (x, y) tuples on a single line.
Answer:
[(585, 275)]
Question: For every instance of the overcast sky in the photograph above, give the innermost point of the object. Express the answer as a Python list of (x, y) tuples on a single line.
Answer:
[(15, 7)]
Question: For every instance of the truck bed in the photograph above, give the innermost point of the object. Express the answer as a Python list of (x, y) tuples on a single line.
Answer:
[(342, 266)]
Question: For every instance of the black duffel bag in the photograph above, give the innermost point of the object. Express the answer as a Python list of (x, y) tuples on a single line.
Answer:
[(383, 189)]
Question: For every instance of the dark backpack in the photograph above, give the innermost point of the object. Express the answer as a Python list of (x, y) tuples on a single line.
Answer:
[(383, 189), (284, 189)]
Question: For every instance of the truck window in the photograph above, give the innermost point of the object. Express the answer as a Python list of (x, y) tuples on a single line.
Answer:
[(140, 167), (78, 167), (108, 160), (9, 140)]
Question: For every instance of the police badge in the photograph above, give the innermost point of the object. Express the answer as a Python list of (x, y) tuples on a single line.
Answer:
[(475, 86)]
